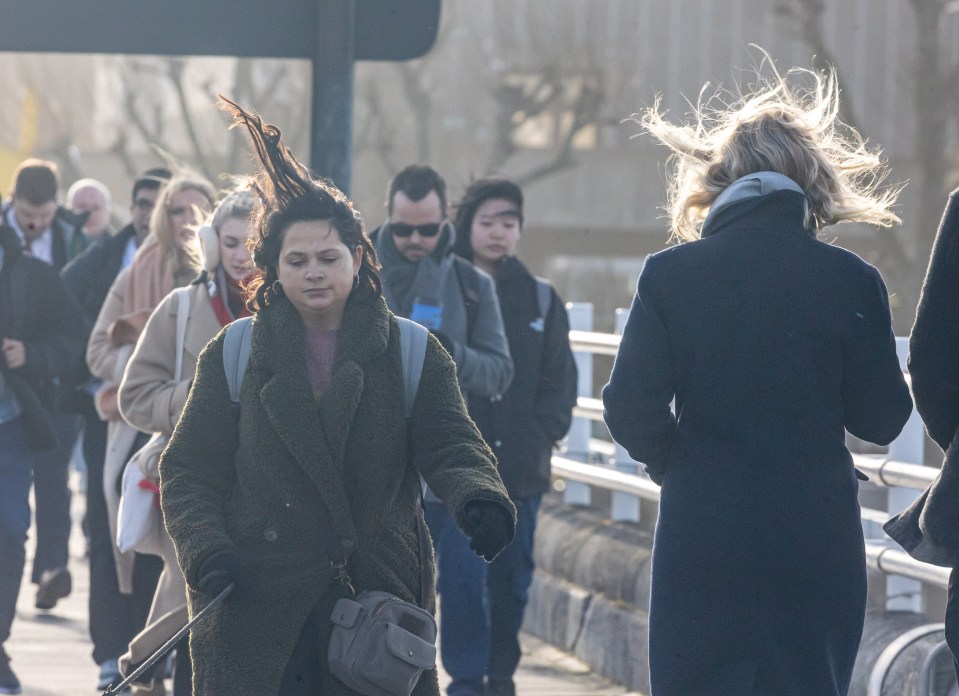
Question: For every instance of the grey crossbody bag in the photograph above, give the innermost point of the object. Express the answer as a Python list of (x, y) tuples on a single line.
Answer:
[(380, 644)]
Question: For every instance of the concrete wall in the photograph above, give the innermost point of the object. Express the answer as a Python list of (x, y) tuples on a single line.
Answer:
[(591, 592)]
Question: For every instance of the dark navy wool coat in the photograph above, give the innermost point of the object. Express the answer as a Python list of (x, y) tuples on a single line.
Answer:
[(771, 343)]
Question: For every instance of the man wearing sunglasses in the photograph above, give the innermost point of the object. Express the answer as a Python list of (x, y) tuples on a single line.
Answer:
[(424, 281)]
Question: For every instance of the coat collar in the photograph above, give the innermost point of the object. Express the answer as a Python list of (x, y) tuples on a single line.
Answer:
[(753, 194), (316, 432)]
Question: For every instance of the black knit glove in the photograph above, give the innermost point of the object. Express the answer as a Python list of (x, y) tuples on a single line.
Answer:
[(218, 571), (491, 527), (444, 340)]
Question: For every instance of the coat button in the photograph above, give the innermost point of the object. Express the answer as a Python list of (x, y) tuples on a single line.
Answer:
[(270, 534), (498, 443)]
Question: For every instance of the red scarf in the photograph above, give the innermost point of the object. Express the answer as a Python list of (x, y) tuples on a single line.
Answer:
[(224, 304)]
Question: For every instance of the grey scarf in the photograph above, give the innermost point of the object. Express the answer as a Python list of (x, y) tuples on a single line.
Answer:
[(404, 281)]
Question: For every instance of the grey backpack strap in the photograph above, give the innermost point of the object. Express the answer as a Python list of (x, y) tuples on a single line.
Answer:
[(413, 339), (544, 295), (236, 354)]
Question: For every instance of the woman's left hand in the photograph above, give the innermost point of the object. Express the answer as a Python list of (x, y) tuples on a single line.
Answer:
[(491, 527)]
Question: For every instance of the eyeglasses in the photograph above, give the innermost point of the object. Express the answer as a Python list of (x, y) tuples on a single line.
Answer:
[(401, 229)]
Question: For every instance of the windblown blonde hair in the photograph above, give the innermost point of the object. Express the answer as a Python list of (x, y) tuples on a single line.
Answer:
[(160, 227), (775, 127)]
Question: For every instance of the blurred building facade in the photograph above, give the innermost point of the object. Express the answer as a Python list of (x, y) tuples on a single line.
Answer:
[(537, 90)]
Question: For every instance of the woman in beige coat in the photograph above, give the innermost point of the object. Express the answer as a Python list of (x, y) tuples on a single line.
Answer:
[(151, 399), (166, 259)]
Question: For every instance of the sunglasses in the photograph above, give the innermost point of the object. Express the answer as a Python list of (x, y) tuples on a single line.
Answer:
[(401, 229)]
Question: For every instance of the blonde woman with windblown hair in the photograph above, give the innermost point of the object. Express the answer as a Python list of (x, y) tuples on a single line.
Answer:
[(168, 258), (772, 344)]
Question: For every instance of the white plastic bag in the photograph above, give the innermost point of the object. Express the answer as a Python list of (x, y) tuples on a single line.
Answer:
[(140, 522)]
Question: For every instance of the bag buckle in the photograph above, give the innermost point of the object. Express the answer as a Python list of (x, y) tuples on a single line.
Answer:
[(343, 576)]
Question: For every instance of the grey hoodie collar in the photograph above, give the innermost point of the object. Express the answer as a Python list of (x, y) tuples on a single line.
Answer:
[(750, 186)]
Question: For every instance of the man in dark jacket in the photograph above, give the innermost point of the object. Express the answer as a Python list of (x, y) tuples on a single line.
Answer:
[(51, 234), (523, 424), (114, 617), (41, 332), (425, 282)]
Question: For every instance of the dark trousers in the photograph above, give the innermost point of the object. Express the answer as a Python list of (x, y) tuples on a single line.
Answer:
[(952, 618), (114, 617), (51, 495), (508, 580), (464, 619), (16, 462)]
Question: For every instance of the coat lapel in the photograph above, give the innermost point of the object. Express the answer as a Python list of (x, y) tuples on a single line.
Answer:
[(314, 432)]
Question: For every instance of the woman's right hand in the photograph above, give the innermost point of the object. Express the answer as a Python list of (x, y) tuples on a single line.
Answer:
[(217, 572)]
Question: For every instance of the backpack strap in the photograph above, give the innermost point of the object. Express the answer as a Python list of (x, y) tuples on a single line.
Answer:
[(413, 339), (236, 354), (544, 295), (469, 282)]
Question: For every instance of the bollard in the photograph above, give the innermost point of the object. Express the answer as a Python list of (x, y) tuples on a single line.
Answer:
[(625, 507), (905, 594), (577, 442)]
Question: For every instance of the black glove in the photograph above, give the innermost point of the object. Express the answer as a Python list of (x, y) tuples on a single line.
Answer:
[(491, 527), (218, 571), (444, 340)]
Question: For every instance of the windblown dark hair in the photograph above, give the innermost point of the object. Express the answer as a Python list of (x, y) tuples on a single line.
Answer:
[(286, 193), (477, 193)]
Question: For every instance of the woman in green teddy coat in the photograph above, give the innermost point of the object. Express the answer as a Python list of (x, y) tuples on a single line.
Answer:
[(257, 497)]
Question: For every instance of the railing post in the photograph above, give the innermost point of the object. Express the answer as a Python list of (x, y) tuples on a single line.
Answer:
[(905, 594), (625, 507), (577, 443)]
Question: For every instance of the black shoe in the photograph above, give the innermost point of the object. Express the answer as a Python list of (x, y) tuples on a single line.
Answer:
[(54, 585), (500, 688), (9, 684)]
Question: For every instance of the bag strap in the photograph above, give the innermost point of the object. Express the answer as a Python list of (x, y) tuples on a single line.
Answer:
[(182, 317), (544, 296), (236, 354)]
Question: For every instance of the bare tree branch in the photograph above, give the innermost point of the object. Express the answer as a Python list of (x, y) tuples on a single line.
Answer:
[(176, 68)]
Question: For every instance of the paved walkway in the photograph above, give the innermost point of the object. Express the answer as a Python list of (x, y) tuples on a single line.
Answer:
[(51, 650)]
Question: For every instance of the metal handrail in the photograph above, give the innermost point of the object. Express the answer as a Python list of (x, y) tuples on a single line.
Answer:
[(889, 472), (879, 556), (593, 342)]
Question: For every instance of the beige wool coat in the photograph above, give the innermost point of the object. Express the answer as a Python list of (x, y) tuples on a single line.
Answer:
[(108, 351), (150, 399)]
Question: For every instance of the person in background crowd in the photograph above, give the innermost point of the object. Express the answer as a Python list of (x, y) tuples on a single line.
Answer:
[(168, 258), (320, 465), (424, 281), (769, 344), (46, 234), (151, 400), (525, 422), (92, 198), (40, 332), (929, 528), (114, 617)]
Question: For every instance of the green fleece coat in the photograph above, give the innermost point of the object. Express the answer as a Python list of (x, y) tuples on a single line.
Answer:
[(269, 485)]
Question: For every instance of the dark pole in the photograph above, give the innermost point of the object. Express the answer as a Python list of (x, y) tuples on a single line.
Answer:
[(331, 137)]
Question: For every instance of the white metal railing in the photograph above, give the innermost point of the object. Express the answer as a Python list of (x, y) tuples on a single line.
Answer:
[(879, 555), (901, 478)]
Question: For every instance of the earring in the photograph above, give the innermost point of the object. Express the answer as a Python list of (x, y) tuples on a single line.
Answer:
[(277, 288), (356, 280)]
